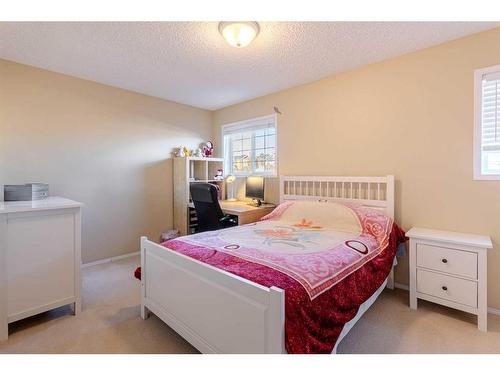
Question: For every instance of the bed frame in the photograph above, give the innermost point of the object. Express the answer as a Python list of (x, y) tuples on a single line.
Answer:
[(218, 312)]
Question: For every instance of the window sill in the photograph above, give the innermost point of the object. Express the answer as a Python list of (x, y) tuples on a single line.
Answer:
[(486, 177)]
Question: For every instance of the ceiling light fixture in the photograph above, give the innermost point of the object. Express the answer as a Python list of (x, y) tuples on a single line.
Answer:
[(239, 34)]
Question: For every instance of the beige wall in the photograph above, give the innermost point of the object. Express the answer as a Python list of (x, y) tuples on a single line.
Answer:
[(105, 147), (412, 117)]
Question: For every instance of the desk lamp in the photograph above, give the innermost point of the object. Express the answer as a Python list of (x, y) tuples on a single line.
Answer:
[(230, 181)]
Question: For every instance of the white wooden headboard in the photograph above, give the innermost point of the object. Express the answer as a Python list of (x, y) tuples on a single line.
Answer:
[(375, 192)]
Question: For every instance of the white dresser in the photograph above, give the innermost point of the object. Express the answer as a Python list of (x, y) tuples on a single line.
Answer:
[(450, 268), (39, 258)]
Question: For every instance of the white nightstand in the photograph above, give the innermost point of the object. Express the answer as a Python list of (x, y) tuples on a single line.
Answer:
[(450, 268)]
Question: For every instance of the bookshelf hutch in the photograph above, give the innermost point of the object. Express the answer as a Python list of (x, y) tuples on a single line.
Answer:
[(192, 170)]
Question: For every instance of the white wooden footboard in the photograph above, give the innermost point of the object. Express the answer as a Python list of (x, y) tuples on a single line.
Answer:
[(217, 312)]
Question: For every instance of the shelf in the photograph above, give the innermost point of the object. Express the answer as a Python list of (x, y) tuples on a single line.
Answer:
[(204, 170), (194, 158), (212, 180)]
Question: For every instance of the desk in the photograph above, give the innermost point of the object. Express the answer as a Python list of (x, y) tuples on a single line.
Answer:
[(246, 213)]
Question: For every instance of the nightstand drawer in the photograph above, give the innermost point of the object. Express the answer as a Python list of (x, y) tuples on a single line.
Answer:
[(456, 262), (447, 287)]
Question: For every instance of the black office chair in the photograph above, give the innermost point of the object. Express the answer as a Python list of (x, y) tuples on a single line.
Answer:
[(208, 211)]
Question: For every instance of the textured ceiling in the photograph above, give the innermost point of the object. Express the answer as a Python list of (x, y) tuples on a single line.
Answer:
[(190, 63)]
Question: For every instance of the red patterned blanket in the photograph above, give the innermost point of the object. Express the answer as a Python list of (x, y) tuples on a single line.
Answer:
[(329, 259)]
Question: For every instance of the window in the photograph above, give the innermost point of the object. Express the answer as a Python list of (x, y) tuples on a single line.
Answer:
[(487, 124), (250, 147)]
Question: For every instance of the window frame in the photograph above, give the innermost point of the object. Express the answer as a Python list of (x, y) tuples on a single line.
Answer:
[(478, 102), (241, 124)]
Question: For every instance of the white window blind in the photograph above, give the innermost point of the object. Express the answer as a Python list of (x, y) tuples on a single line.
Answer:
[(490, 124), (250, 147)]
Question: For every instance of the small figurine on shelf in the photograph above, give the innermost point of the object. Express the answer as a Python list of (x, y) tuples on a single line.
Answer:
[(219, 176), (182, 151), (179, 152), (208, 149), (198, 153)]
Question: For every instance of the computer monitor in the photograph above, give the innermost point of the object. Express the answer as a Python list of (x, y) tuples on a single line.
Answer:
[(254, 188)]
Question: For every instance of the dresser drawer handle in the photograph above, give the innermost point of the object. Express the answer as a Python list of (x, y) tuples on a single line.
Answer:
[(444, 287), (444, 260)]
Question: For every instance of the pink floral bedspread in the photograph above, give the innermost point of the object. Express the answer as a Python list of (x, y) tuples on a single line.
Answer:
[(316, 244), (328, 259)]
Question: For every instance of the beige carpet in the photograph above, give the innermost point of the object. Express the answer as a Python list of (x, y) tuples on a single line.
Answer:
[(110, 323)]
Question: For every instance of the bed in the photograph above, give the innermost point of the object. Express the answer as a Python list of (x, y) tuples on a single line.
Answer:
[(288, 283)]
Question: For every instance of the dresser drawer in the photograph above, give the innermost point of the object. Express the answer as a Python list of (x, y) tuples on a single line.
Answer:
[(447, 287), (456, 262)]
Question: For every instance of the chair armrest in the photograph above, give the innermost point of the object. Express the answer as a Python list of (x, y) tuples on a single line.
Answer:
[(228, 220)]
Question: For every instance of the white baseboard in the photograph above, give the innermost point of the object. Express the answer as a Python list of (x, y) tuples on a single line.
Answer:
[(401, 286), (491, 310), (109, 260)]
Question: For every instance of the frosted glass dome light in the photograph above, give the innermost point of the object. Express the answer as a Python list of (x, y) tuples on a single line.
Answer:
[(239, 34)]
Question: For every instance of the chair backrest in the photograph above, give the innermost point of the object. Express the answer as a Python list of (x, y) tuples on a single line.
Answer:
[(206, 204)]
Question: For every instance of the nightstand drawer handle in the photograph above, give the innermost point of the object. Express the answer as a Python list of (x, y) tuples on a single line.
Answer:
[(444, 287), (444, 260)]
